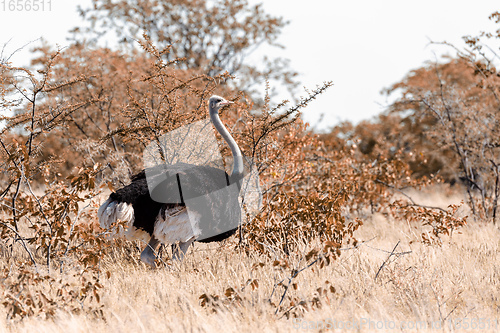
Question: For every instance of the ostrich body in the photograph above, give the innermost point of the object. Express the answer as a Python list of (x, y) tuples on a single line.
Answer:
[(213, 218)]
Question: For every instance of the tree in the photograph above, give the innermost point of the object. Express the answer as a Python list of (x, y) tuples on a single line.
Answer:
[(455, 105), (212, 36)]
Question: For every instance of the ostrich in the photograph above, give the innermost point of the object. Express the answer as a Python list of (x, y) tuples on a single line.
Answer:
[(168, 220)]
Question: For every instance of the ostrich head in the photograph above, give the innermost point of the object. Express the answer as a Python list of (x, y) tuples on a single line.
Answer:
[(216, 102)]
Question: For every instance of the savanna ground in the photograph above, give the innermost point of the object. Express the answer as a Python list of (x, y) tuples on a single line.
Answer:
[(378, 286)]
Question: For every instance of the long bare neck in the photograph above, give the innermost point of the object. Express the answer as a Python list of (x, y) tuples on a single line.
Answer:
[(235, 150)]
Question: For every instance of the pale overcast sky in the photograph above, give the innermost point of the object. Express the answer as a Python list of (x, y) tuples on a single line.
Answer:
[(362, 46)]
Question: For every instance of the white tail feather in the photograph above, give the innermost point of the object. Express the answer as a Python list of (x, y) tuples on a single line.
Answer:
[(112, 211)]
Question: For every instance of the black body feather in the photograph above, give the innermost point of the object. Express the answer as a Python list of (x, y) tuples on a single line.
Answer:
[(219, 209)]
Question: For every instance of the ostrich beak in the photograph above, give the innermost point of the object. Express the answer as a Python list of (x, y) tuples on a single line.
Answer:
[(224, 103)]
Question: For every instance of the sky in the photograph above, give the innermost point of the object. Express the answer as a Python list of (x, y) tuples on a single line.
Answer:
[(361, 46)]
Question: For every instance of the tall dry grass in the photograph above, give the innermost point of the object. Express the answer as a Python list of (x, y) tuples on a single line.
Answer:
[(419, 288)]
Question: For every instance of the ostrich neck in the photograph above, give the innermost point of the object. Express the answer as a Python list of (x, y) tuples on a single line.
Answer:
[(235, 150)]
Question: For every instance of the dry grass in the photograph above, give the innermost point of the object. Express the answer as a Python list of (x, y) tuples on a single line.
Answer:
[(425, 286)]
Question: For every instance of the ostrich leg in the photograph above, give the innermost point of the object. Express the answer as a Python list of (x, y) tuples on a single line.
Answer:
[(148, 255), (179, 251)]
